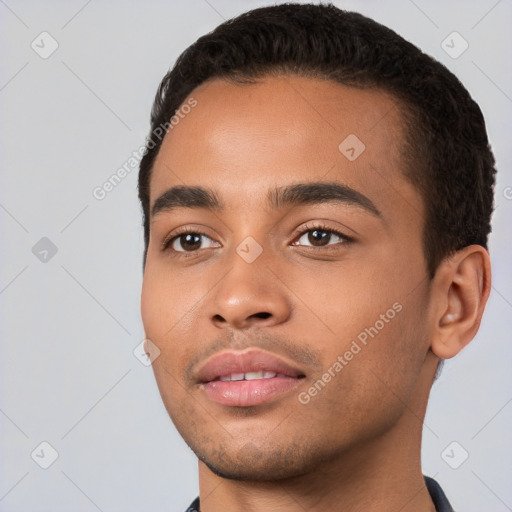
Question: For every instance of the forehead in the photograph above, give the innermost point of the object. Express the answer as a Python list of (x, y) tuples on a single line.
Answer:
[(243, 139)]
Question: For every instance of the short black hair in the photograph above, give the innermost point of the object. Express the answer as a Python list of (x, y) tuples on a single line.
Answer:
[(447, 154)]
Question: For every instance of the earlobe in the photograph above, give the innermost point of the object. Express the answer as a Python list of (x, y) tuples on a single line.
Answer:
[(461, 289)]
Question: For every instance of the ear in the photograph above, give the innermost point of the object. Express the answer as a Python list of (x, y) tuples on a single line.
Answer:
[(460, 291)]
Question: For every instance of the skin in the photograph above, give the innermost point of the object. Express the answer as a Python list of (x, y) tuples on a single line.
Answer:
[(356, 444)]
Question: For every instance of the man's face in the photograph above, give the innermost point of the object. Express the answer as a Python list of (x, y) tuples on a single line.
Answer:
[(337, 324)]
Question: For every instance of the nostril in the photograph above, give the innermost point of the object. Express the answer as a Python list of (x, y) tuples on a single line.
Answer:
[(221, 320), (262, 315)]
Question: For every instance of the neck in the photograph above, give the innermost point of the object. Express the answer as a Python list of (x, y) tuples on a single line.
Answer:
[(380, 475)]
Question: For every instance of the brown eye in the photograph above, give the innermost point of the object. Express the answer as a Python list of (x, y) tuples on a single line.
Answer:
[(189, 241), (321, 237), (318, 237)]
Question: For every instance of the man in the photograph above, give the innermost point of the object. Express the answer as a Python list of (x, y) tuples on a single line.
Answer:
[(317, 197)]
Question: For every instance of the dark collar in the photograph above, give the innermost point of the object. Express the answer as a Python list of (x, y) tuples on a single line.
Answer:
[(436, 493)]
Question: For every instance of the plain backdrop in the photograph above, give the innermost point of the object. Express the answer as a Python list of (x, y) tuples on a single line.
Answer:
[(71, 264)]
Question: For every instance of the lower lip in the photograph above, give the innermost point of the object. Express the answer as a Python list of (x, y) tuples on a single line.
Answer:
[(244, 393)]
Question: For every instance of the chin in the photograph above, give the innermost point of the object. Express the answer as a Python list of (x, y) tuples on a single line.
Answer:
[(248, 472), (250, 463)]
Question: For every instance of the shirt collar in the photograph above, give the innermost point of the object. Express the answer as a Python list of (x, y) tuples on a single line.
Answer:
[(436, 493)]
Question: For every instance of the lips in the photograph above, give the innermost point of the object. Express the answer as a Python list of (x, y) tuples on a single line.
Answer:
[(248, 378), (247, 362)]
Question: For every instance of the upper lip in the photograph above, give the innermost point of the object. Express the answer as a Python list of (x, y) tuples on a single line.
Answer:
[(250, 360)]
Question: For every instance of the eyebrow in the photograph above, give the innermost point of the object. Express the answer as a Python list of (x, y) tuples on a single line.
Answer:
[(184, 196)]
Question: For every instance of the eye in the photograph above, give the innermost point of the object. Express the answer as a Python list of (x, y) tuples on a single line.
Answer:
[(321, 236), (188, 241), (313, 236)]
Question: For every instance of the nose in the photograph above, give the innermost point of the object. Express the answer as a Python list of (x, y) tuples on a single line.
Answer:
[(249, 295)]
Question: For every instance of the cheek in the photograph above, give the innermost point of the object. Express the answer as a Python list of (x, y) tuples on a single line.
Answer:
[(377, 326), (350, 300), (161, 311), (169, 308), (166, 302), (373, 383)]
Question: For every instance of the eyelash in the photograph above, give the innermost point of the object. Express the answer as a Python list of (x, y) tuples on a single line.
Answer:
[(306, 229)]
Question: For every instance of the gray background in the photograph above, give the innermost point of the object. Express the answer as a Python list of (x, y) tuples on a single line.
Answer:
[(69, 324)]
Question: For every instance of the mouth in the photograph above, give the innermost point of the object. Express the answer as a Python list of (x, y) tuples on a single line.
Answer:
[(248, 378)]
